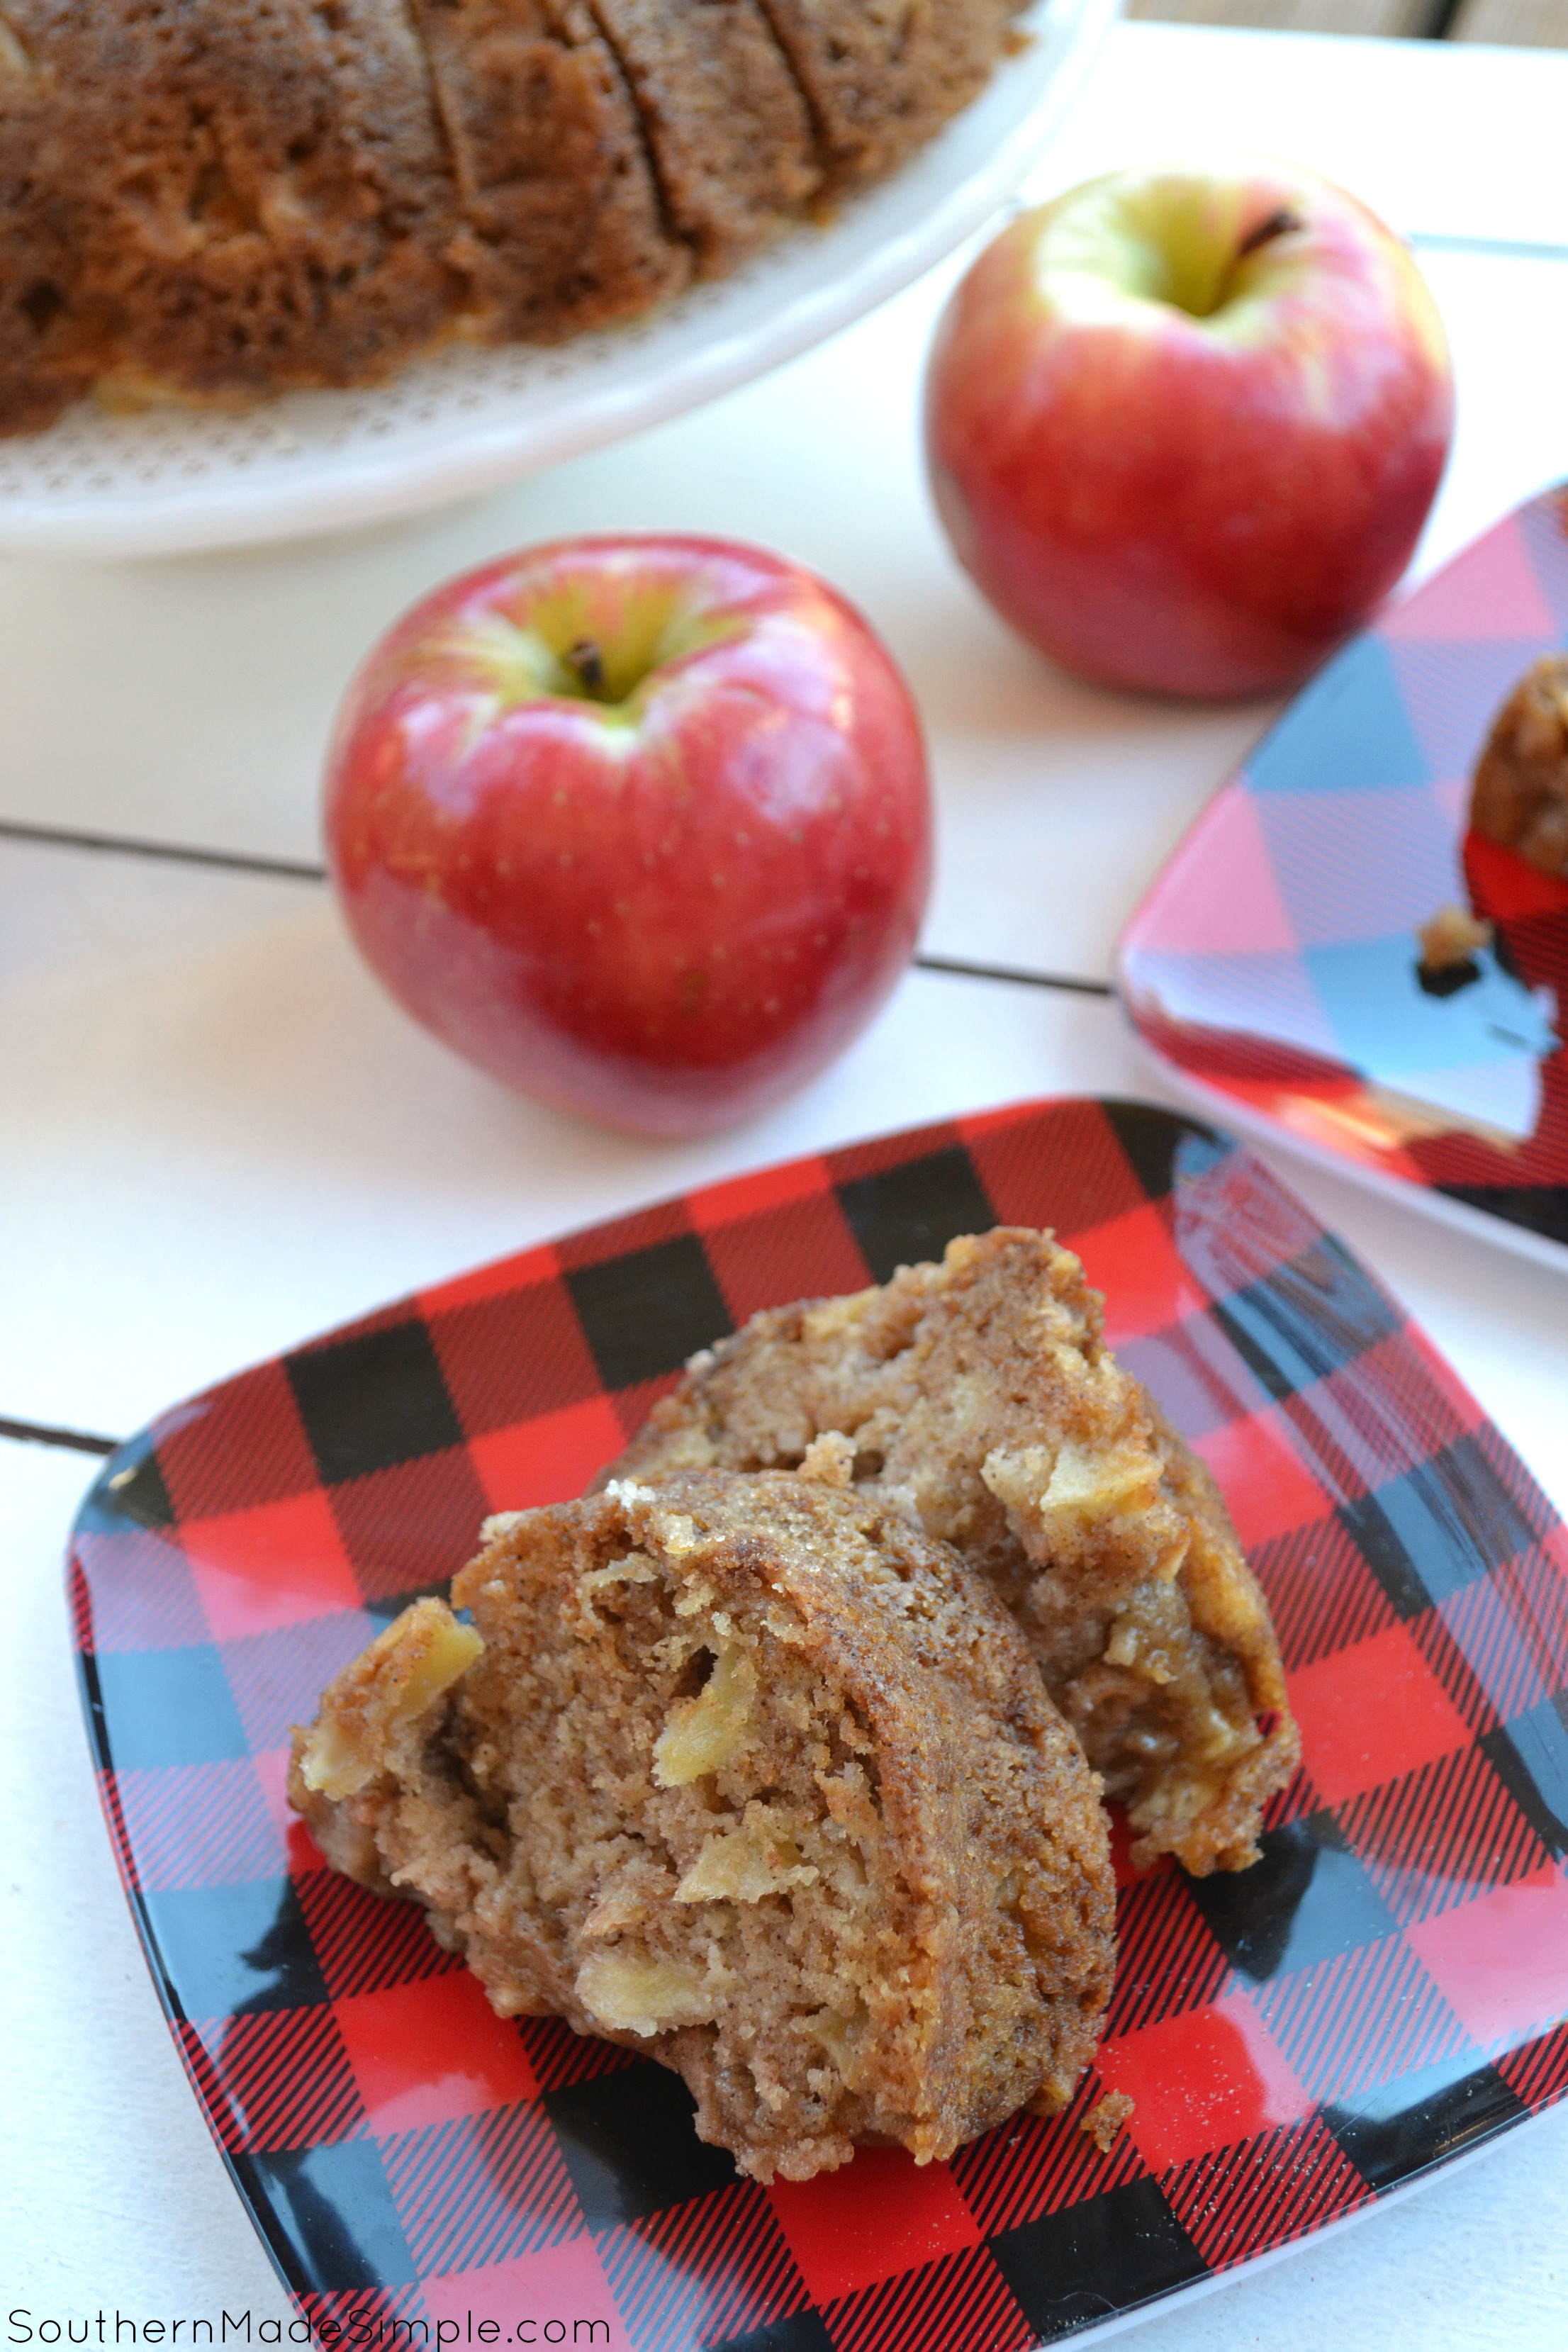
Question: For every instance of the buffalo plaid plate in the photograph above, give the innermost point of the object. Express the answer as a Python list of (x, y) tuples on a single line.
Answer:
[(1384, 1990), (1273, 966)]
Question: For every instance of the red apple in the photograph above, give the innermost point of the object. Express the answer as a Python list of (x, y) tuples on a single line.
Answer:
[(640, 825), (1183, 425)]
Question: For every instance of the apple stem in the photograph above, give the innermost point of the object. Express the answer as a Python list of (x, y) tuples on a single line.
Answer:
[(589, 664), (1278, 224)]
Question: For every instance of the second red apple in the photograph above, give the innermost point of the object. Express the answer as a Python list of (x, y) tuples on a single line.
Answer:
[(1184, 426)]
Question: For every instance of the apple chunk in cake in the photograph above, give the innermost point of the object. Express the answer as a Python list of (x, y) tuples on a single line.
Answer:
[(749, 1774), (979, 1396)]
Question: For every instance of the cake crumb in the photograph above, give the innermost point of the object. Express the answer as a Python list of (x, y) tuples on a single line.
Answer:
[(830, 1459), (1452, 939), (1105, 2119)]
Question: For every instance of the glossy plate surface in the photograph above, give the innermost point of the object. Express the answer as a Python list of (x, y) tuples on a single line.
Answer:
[(1273, 966), (465, 420), (1386, 1989)]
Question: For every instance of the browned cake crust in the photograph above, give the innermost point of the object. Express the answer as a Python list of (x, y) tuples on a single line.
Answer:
[(749, 1775), (1521, 796), (255, 191), (564, 229), (980, 1396), (727, 128), (48, 354), (881, 80)]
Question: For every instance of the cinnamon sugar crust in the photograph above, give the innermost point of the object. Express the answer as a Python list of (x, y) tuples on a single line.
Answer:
[(561, 228), (728, 132), (49, 353), (881, 80), (981, 1400), (749, 1774), (254, 193)]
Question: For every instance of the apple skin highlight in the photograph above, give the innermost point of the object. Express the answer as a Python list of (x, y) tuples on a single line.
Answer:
[(1184, 427), (641, 826)]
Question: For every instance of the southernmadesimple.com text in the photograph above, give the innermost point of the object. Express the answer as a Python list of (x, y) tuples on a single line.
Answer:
[(382, 2330)]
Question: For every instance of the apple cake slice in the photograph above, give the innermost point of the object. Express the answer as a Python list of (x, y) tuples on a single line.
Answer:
[(979, 1395), (750, 1775)]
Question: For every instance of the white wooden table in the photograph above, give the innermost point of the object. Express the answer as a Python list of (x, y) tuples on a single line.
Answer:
[(218, 1137)]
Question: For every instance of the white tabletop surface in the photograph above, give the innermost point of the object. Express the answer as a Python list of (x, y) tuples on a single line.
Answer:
[(218, 1137)]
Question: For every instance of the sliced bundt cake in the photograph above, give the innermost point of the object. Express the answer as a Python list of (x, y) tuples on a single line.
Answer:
[(749, 1774), (214, 200)]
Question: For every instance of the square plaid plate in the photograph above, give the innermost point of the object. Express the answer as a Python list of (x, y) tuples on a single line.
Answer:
[(1273, 966), (1384, 1990)]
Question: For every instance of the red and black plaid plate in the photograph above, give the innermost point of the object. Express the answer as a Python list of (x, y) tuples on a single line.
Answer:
[(1386, 1989)]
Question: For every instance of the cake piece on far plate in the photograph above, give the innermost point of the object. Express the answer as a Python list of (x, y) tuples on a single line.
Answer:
[(1520, 794), (980, 1398), (748, 1774)]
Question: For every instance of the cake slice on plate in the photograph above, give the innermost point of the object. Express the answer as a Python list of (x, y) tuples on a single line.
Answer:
[(747, 1773), (980, 1398)]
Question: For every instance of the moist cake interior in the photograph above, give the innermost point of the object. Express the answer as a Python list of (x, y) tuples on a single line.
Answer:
[(979, 1396), (749, 1774)]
